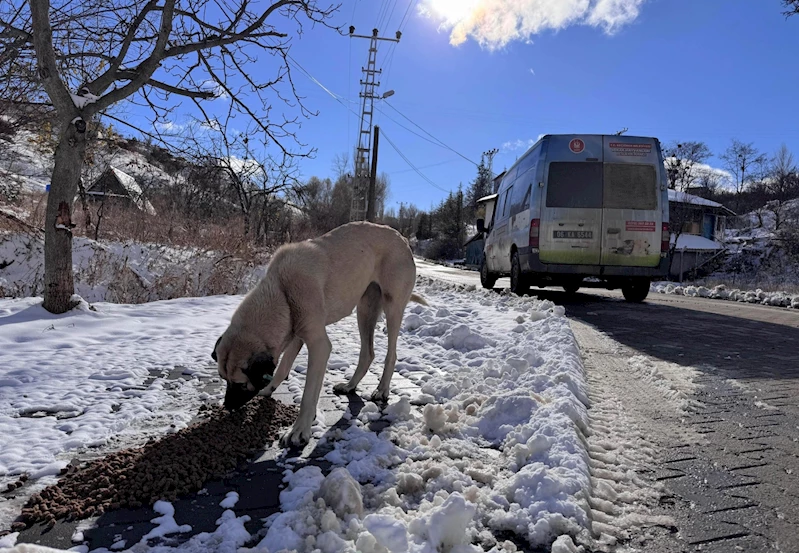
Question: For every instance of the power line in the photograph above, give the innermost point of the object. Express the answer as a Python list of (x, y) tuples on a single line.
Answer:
[(411, 165), (407, 11), (425, 166), (442, 144), (409, 130)]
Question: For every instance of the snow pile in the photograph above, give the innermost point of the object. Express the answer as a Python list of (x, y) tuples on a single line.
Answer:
[(126, 272), (487, 454), (722, 292), (492, 446)]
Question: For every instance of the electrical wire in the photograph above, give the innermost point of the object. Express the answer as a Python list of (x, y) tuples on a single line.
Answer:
[(440, 143), (411, 165)]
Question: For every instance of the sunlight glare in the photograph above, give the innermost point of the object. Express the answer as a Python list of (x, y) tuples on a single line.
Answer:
[(453, 11)]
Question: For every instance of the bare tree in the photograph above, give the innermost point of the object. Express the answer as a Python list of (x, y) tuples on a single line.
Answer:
[(781, 184), (791, 7), (253, 175), (86, 57), (681, 160), (746, 163)]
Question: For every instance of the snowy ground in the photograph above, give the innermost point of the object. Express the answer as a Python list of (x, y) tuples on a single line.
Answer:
[(722, 292), (491, 447)]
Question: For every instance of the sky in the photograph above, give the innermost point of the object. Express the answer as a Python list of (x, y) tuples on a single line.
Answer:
[(483, 74)]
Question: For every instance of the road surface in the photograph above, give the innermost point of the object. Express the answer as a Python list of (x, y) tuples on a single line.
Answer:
[(726, 469)]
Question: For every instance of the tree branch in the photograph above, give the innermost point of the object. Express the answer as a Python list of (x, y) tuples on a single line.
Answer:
[(145, 69), (46, 60)]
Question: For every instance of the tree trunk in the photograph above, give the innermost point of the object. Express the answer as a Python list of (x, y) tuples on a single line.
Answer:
[(59, 285)]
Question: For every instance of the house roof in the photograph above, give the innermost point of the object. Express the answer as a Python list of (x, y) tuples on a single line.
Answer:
[(685, 198), (692, 242), (487, 198), (132, 188)]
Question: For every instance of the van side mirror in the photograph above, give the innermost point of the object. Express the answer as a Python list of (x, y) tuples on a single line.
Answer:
[(481, 225)]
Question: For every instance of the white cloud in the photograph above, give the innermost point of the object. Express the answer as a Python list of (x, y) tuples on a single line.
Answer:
[(169, 127), (496, 23), (704, 173), (519, 144), (515, 145)]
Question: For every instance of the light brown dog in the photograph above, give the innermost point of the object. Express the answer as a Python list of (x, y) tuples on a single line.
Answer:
[(309, 285)]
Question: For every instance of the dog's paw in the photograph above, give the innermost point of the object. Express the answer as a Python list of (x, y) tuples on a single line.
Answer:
[(380, 396), (296, 437), (342, 388)]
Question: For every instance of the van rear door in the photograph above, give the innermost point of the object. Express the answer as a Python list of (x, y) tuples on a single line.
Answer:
[(632, 216), (571, 211)]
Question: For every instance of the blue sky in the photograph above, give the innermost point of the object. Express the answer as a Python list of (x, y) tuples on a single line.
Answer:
[(708, 70)]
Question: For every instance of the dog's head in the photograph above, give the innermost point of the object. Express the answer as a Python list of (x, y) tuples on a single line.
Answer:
[(246, 366)]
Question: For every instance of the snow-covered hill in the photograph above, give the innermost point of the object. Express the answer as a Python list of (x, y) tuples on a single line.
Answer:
[(126, 272)]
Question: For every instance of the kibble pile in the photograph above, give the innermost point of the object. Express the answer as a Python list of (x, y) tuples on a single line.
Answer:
[(177, 464)]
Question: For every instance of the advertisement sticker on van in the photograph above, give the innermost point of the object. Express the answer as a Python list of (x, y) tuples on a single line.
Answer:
[(630, 150), (640, 226)]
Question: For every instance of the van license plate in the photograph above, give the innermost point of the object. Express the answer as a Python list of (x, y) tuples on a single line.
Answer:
[(574, 234)]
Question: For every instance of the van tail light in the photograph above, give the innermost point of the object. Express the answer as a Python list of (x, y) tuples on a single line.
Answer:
[(665, 239), (535, 232)]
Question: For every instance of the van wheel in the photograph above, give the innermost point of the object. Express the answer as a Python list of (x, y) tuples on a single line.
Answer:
[(519, 284), (487, 279), (635, 291), (572, 286)]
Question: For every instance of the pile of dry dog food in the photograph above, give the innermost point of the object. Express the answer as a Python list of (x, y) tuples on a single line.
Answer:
[(177, 464)]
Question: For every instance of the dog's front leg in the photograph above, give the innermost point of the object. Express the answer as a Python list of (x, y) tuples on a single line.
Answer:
[(284, 367), (319, 349)]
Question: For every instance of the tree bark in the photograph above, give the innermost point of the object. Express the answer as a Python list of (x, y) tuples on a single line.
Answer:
[(59, 286)]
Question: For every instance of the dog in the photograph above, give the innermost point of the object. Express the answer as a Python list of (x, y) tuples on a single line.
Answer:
[(307, 286)]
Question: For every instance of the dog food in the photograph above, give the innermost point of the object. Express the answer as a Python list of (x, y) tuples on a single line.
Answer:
[(177, 464)]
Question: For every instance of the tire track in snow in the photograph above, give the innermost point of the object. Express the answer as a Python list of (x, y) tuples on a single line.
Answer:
[(636, 408)]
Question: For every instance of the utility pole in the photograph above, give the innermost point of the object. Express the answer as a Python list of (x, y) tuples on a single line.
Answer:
[(371, 204), (490, 155), (361, 183)]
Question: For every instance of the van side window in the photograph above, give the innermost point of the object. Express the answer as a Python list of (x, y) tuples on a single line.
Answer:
[(574, 184), (521, 195), (506, 203)]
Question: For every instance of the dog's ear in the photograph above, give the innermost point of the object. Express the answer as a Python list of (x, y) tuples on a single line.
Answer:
[(260, 369), (213, 353)]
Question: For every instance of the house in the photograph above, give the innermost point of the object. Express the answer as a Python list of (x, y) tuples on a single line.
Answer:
[(473, 248), (697, 231), (120, 186)]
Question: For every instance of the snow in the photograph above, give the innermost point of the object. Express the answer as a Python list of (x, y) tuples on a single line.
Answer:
[(684, 197), (722, 292), (124, 271), (694, 242), (490, 444), (165, 524)]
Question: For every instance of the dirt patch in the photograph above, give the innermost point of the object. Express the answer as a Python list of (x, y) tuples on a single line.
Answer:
[(175, 465)]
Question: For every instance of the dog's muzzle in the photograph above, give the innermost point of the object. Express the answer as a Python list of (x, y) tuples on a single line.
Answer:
[(260, 372)]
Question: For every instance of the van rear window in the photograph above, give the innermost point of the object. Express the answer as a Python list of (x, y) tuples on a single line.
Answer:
[(574, 184), (630, 186)]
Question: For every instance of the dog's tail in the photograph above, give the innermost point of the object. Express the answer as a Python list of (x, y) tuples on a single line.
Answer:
[(416, 298)]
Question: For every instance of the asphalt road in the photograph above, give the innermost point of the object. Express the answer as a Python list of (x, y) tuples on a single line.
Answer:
[(728, 471)]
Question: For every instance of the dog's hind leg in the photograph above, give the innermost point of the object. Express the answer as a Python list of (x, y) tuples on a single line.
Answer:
[(394, 311), (369, 308), (284, 367)]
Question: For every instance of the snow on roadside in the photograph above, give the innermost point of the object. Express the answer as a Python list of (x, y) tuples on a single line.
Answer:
[(488, 454), (126, 272), (722, 292), (491, 448)]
